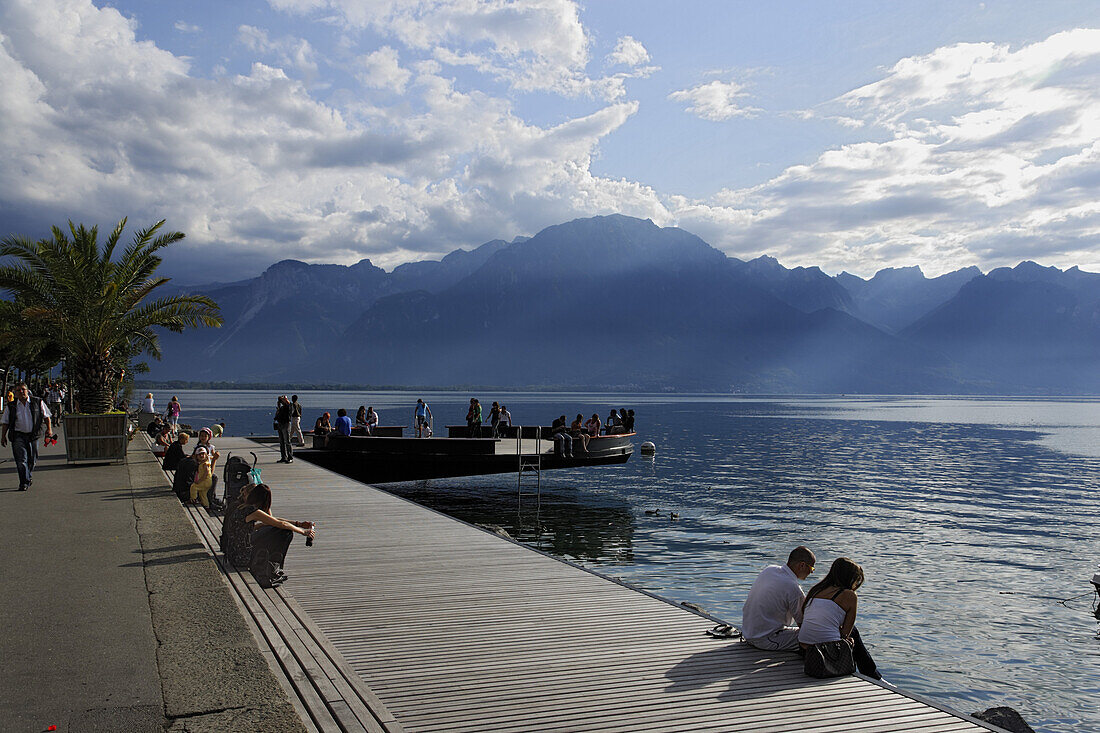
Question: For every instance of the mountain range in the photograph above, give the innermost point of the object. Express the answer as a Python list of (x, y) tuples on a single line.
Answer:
[(617, 303)]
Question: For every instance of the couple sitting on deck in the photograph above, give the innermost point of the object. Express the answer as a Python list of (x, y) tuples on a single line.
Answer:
[(778, 616)]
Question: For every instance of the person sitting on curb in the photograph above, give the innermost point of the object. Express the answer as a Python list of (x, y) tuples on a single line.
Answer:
[(773, 609), (260, 540), (175, 453)]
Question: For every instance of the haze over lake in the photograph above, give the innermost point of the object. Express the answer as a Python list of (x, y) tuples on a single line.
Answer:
[(973, 519)]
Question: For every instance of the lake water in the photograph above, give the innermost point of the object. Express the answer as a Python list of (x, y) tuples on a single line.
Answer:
[(973, 519)]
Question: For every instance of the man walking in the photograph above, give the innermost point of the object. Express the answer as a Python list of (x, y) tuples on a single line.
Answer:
[(422, 415), (23, 420), (296, 433), (773, 609)]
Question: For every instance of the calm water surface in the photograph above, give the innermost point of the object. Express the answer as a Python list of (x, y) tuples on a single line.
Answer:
[(973, 519)]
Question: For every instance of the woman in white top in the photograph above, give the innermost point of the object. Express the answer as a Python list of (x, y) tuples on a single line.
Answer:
[(829, 613), (147, 405)]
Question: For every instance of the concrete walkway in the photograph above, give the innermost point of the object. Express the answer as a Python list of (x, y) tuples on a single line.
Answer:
[(113, 616)]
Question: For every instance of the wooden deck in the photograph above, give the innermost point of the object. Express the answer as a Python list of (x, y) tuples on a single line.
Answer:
[(452, 628)]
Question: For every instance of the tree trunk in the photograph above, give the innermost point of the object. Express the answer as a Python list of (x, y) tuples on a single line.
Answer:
[(92, 377)]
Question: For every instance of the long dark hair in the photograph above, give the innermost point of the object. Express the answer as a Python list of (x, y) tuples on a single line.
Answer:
[(844, 573), (259, 496), (362, 413)]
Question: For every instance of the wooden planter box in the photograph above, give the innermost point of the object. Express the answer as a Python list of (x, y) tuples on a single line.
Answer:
[(96, 438)]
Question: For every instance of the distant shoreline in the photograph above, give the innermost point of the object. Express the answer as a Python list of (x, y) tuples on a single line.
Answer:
[(140, 385)]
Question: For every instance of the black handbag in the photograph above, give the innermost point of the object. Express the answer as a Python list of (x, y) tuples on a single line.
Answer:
[(830, 659)]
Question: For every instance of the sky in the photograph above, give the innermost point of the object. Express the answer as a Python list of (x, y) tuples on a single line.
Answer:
[(851, 136)]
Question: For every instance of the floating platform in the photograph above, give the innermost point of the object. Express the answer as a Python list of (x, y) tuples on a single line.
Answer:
[(382, 458)]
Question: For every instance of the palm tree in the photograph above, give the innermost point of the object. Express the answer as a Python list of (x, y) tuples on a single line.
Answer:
[(96, 308)]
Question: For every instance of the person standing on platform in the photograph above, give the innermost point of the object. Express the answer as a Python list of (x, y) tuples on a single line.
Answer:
[(773, 609), (494, 419), (422, 415), (282, 426), (296, 422), (23, 419)]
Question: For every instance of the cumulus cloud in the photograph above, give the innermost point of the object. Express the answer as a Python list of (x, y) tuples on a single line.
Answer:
[(99, 124), (991, 152), (628, 52), (716, 101), (381, 69), (531, 45)]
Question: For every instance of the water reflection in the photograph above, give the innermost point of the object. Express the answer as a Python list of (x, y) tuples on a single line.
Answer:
[(558, 520)]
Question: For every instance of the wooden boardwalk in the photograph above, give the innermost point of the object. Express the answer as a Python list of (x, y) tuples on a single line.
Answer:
[(455, 629)]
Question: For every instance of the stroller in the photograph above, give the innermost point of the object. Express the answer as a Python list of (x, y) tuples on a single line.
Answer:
[(238, 474)]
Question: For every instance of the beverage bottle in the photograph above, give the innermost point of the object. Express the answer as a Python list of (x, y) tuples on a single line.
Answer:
[(309, 540)]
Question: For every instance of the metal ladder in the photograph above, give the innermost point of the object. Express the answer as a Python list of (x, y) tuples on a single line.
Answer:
[(529, 464)]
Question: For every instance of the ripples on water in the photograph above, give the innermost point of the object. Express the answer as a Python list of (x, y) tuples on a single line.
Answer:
[(969, 533)]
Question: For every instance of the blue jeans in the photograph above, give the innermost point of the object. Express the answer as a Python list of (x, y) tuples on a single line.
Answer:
[(286, 448), (564, 444), (25, 450)]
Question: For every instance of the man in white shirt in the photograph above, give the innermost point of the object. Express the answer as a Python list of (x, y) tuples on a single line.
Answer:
[(23, 420), (773, 610)]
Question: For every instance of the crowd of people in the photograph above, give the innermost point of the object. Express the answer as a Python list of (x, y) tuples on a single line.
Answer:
[(779, 616)]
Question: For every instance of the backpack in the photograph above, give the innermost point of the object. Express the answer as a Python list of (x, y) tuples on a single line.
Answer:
[(185, 475)]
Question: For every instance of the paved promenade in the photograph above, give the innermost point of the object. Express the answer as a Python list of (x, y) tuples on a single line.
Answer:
[(114, 617)]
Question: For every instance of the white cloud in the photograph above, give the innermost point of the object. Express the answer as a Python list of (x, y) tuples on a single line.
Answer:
[(99, 124), (184, 27), (628, 52), (381, 69), (531, 45), (288, 51), (716, 101), (992, 155)]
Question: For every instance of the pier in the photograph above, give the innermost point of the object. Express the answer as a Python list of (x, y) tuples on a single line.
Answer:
[(401, 618)]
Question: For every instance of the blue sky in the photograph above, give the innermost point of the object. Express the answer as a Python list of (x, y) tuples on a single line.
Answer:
[(852, 136)]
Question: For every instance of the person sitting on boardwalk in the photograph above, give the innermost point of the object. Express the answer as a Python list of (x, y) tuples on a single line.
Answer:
[(206, 436), (147, 405), (773, 609), (422, 415), (372, 420), (322, 426), (473, 419), (563, 441), (258, 540), (628, 421), (204, 478), (175, 452), (505, 418), (343, 422), (162, 442), (593, 425), (829, 613), (361, 418)]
